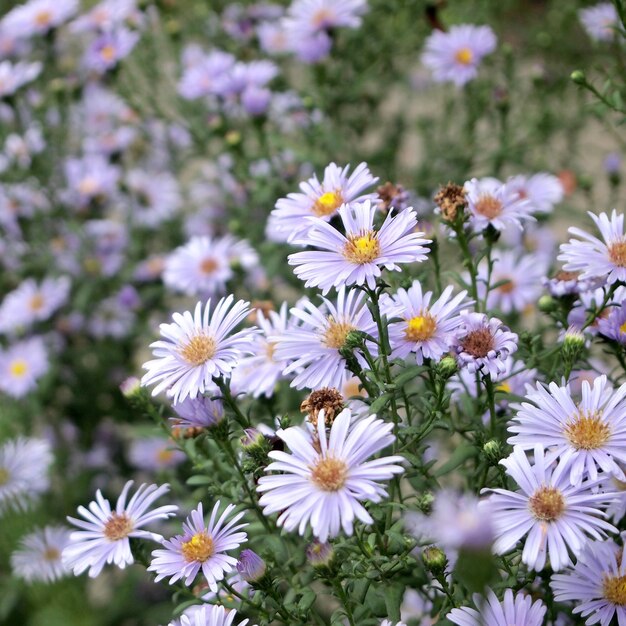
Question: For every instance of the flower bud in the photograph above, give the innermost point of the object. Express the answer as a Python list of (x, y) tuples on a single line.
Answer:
[(493, 451), (447, 367), (578, 77), (251, 566), (320, 554), (546, 304), (435, 560), (131, 387)]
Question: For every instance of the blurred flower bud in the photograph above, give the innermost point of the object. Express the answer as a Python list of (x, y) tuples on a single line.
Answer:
[(435, 560), (320, 554), (251, 566), (493, 451)]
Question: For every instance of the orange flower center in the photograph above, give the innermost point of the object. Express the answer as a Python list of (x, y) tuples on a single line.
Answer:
[(199, 350), (107, 53), (51, 554), (36, 302), (587, 431), (208, 266), (43, 18), (330, 474), (117, 527), (336, 333), (488, 206), (464, 56), (617, 253), (547, 504), (508, 286)]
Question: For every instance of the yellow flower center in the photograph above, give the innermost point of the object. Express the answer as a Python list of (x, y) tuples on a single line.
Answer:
[(420, 328), (504, 387), (199, 548), (199, 350), (88, 186), (4, 476), (92, 265), (18, 368), (165, 455), (270, 348), (546, 504), (117, 527), (464, 56), (361, 249), (508, 286), (36, 302), (208, 266), (614, 589), (488, 206), (336, 333), (43, 18), (620, 485), (327, 203), (108, 53), (617, 253), (51, 554), (622, 328), (587, 431), (329, 474)]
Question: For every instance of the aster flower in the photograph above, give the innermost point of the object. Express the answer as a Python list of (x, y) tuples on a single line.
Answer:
[(426, 329), (309, 17), (514, 609), (600, 21), (154, 454), (492, 202), (32, 302), (613, 326), (39, 556), (90, 179), (456, 55), (258, 374), (358, 256), (542, 190), (109, 49), (313, 346), (563, 284), (107, 15), (209, 615), (596, 259), (21, 366), (325, 480), (251, 566), (15, 75), (197, 347), (155, 197), (104, 535), (518, 278), (201, 548), (595, 584), (592, 431), (319, 199), (200, 267), (198, 412), (24, 465), (590, 301), (483, 344), (554, 515), (37, 17), (204, 74)]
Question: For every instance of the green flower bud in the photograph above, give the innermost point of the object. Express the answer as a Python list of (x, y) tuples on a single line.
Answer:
[(435, 560)]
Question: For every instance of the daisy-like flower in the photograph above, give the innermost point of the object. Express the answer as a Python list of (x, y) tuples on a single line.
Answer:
[(197, 347), (109, 49), (327, 476), (39, 556), (37, 17), (200, 267), (15, 75), (518, 278), (24, 465), (357, 257), (312, 16), (155, 197), (426, 328), (613, 326), (90, 179), (514, 609), (201, 548), (600, 21), (596, 584), (313, 347), (455, 56), (104, 535), (595, 259), (557, 516), (594, 301), (542, 190), (483, 344), (492, 202), (319, 199), (592, 431), (199, 412), (154, 453), (209, 615), (32, 302), (563, 284), (21, 366), (258, 374)]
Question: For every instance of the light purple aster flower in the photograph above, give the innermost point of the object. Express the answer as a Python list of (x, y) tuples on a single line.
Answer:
[(614, 325), (21, 366), (39, 556), (319, 199), (600, 21), (107, 15), (209, 615), (24, 465), (514, 609), (32, 302), (555, 516), (313, 346), (357, 258), (154, 454), (519, 278), (542, 190), (612, 163), (204, 74), (492, 202), (197, 347), (427, 328), (37, 17), (251, 566), (104, 535), (594, 258), (15, 75), (109, 49), (201, 548), (563, 284), (309, 17), (155, 197), (324, 481), (199, 412), (258, 374), (91, 178), (595, 584), (592, 432), (455, 56), (483, 344)]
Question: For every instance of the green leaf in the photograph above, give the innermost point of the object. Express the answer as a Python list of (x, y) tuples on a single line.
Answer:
[(475, 569), (459, 456), (307, 600), (393, 600)]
